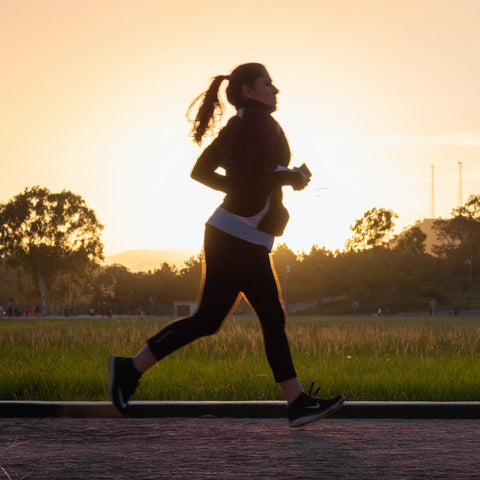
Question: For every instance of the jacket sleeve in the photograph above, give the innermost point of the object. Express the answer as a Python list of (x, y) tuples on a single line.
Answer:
[(290, 177), (204, 170), (268, 154)]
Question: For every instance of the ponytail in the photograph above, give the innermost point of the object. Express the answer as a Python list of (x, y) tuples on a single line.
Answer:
[(207, 117), (210, 109)]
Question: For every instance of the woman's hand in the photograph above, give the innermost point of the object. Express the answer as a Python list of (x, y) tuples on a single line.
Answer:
[(302, 179)]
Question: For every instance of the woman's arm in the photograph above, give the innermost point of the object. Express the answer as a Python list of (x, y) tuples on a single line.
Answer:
[(268, 155), (204, 170)]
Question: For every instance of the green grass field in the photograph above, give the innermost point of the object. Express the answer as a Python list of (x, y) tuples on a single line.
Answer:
[(366, 358)]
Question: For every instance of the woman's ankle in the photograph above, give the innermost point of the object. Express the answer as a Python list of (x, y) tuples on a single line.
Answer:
[(144, 359), (291, 389)]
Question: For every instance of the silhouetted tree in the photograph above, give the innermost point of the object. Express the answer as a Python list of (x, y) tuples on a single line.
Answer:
[(320, 274), (190, 277), (114, 287), (470, 209), (411, 242), (413, 268), (459, 236), (459, 249), (372, 230), (166, 284), (459, 243), (49, 235), (9, 283), (284, 260)]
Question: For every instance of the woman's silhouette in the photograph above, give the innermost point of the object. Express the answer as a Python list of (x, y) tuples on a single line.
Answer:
[(254, 153)]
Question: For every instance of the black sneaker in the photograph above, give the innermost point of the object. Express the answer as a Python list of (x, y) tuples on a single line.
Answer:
[(306, 409), (123, 381)]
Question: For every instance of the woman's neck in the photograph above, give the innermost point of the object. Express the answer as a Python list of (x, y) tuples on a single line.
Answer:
[(251, 103)]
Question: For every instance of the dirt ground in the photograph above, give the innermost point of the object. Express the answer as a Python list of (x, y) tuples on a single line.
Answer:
[(219, 448)]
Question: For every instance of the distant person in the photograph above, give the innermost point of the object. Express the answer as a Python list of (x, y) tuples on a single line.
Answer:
[(239, 236), (355, 306)]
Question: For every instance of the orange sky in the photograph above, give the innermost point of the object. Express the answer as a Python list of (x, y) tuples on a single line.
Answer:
[(93, 95)]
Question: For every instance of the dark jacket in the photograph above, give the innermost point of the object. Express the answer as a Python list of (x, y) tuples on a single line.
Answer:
[(250, 148)]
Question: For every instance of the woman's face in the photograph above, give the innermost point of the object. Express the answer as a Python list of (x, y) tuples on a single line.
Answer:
[(263, 90)]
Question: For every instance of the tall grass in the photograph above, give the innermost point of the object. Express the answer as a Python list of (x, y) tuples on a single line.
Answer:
[(367, 358)]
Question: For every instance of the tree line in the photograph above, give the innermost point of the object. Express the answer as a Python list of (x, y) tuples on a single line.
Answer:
[(51, 254)]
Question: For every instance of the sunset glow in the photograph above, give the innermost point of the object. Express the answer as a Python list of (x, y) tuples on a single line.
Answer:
[(93, 97)]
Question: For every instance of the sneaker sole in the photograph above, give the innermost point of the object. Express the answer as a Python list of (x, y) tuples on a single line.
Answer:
[(298, 422), (111, 375)]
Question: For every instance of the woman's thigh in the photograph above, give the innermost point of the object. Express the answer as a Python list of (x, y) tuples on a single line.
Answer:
[(223, 273), (262, 289)]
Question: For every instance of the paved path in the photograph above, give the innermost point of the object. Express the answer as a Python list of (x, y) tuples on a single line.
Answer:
[(219, 448)]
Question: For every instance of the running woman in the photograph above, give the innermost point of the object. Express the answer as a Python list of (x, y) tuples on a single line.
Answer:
[(254, 153)]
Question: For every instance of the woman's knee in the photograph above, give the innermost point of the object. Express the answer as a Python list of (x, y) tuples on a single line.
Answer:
[(203, 326), (205, 329)]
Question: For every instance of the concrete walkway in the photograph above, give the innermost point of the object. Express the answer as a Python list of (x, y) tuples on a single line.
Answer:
[(236, 448)]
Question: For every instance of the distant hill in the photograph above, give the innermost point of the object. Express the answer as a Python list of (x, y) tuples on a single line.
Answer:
[(145, 260)]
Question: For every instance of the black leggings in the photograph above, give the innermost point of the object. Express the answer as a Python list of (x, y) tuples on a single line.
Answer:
[(233, 266)]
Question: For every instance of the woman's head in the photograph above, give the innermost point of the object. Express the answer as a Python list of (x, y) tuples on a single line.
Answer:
[(249, 81)]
